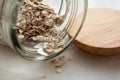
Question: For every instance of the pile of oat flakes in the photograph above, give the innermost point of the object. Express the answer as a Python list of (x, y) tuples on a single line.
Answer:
[(37, 22)]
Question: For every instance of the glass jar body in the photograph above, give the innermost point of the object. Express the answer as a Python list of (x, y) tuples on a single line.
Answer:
[(8, 18)]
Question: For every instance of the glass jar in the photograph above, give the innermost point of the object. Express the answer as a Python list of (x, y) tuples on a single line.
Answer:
[(8, 17)]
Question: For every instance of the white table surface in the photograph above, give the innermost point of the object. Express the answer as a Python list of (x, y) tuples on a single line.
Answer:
[(84, 67)]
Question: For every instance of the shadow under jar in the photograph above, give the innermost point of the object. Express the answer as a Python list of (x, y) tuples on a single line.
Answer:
[(45, 46)]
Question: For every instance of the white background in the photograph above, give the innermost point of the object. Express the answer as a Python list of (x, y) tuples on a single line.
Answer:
[(84, 67)]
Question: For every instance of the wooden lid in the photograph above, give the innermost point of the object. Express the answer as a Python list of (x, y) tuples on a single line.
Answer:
[(100, 33)]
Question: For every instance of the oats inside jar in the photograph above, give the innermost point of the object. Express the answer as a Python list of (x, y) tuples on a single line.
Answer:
[(37, 23)]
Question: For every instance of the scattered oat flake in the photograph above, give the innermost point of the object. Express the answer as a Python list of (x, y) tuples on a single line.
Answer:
[(71, 58), (49, 49), (32, 0), (20, 36), (58, 64), (53, 61), (58, 70), (43, 77), (61, 57)]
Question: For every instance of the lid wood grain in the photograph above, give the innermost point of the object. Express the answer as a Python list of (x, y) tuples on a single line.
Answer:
[(100, 33)]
